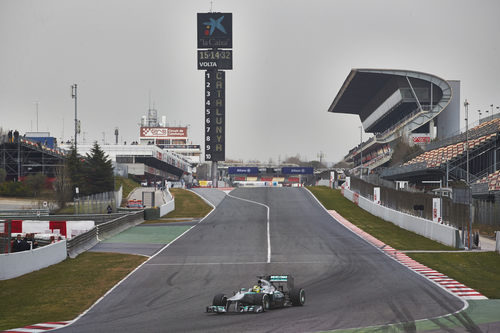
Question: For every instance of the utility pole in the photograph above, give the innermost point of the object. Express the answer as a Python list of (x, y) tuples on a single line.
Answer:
[(37, 116), (74, 95)]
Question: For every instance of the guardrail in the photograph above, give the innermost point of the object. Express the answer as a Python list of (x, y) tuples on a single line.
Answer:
[(24, 212), (97, 218), (87, 240)]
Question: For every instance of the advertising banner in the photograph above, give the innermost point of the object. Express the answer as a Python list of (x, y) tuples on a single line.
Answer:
[(421, 138), (376, 195), (242, 170), (163, 132), (297, 170), (215, 30), (347, 184), (436, 210)]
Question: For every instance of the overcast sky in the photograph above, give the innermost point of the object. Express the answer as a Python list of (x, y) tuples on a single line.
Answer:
[(290, 60)]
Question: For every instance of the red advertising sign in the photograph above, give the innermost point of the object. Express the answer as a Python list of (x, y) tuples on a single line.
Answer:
[(356, 198), (421, 139), (163, 132)]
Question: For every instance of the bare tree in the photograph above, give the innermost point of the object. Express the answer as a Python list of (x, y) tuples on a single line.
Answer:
[(62, 186)]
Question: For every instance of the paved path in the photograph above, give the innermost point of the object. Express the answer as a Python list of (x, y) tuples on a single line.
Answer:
[(143, 239)]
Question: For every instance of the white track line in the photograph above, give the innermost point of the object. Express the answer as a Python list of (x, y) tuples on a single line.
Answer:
[(244, 263), (145, 262), (268, 228)]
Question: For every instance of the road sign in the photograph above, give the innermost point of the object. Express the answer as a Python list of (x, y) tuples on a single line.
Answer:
[(215, 30), (215, 59)]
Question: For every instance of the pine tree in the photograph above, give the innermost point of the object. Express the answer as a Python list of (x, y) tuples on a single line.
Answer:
[(97, 171)]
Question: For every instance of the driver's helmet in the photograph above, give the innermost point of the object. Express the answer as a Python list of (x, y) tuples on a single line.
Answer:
[(256, 289)]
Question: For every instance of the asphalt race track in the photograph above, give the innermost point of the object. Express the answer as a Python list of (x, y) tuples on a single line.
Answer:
[(348, 282)]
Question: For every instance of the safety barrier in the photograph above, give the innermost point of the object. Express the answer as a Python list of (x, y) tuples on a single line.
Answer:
[(169, 203), (82, 243), (439, 232), (25, 212), (97, 218), (20, 263), (497, 248)]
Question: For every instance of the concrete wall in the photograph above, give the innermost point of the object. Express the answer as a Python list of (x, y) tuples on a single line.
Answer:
[(439, 232), (169, 205), (448, 121), (497, 248), (20, 263)]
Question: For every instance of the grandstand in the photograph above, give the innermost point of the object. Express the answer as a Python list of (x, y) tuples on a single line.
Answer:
[(21, 156), (447, 159), (148, 162), (397, 103)]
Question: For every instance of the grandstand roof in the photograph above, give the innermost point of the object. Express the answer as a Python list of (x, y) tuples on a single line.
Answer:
[(383, 97)]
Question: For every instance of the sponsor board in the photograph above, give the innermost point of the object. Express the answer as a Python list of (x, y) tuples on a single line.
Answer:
[(242, 170), (163, 132), (215, 30)]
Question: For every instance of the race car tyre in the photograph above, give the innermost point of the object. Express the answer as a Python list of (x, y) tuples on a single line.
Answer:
[(298, 296), (219, 300), (263, 299)]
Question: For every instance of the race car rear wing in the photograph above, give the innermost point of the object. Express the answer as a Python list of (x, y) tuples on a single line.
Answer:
[(288, 279)]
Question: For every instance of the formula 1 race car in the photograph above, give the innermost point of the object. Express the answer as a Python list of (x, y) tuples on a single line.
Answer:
[(270, 292)]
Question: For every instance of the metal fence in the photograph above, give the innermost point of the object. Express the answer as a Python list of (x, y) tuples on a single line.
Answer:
[(454, 212), (95, 203)]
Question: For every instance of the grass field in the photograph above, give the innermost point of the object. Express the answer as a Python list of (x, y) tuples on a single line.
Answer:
[(387, 232), (62, 291), (127, 183), (480, 271)]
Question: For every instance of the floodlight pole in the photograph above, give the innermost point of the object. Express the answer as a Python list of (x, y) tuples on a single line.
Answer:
[(466, 105)]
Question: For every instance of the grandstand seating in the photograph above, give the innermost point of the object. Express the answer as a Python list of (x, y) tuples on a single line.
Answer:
[(436, 157), (493, 181)]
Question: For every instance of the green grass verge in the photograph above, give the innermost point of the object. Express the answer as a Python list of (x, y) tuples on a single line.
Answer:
[(188, 204), (62, 291), (477, 270), (387, 232), (128, 185)]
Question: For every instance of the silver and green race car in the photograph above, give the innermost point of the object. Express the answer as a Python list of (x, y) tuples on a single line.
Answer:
[(270, 292)]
